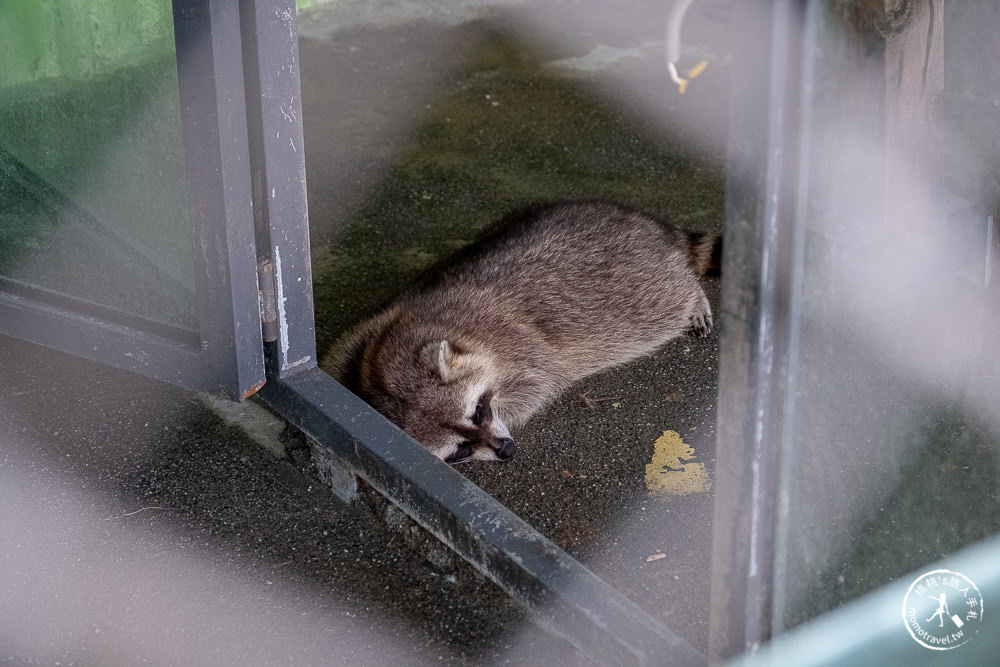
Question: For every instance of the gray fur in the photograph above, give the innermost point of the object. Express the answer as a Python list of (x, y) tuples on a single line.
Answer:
[(557, 294)]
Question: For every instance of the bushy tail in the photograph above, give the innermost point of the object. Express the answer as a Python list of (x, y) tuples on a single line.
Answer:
[(705, 253)]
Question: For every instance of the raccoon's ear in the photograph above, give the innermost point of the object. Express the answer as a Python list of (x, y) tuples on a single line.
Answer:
[(439, 357)]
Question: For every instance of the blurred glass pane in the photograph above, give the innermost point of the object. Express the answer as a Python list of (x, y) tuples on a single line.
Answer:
[(893, 460), (93, 195)]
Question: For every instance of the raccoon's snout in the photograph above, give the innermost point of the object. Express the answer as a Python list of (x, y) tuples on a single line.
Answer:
[(505, 448), (501, 449)]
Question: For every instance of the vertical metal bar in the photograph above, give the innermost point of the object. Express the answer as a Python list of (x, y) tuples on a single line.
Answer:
[(758, 327), (274, 116), (210, 76)]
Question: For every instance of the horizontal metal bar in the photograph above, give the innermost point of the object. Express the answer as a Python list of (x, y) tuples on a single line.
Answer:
[(564, 595), (133, 349)]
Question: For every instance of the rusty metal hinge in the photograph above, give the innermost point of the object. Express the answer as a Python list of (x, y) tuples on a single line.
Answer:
[(268, 300)]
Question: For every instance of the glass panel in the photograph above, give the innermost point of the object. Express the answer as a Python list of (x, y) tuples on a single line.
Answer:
[(93, 197), (892, 462)]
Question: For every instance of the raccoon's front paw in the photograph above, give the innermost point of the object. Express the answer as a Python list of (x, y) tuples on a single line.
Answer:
[(701, 323)]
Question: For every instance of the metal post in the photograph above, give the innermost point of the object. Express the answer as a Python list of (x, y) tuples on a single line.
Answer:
[(758, 322)]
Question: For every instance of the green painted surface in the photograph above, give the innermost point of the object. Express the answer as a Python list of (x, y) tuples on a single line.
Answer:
[(79, 38), (92, 173)]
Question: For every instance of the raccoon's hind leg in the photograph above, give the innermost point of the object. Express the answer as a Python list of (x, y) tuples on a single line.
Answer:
[(701, 321)]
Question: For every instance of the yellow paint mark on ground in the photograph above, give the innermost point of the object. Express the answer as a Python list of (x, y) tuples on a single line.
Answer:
[(671, 470)]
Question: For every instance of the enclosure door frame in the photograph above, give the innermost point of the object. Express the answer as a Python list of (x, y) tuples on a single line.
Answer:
[(224, 357)]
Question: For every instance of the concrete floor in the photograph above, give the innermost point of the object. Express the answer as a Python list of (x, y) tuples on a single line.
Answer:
[(141, 527)]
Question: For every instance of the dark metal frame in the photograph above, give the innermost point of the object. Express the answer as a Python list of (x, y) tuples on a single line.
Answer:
[(226, 359), (274, 118)]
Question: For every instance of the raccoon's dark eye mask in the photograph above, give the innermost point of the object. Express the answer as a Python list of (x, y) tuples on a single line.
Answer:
[(483, 413), (460, 455)]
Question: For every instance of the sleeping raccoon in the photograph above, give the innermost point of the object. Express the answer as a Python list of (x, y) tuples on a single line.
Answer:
[(557, 293)]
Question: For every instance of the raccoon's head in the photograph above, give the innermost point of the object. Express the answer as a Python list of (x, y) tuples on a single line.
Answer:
[(448, 405)]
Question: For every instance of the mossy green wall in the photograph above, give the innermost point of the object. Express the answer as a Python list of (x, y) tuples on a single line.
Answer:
[(304, 4), (84, 38), (79, 38)]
